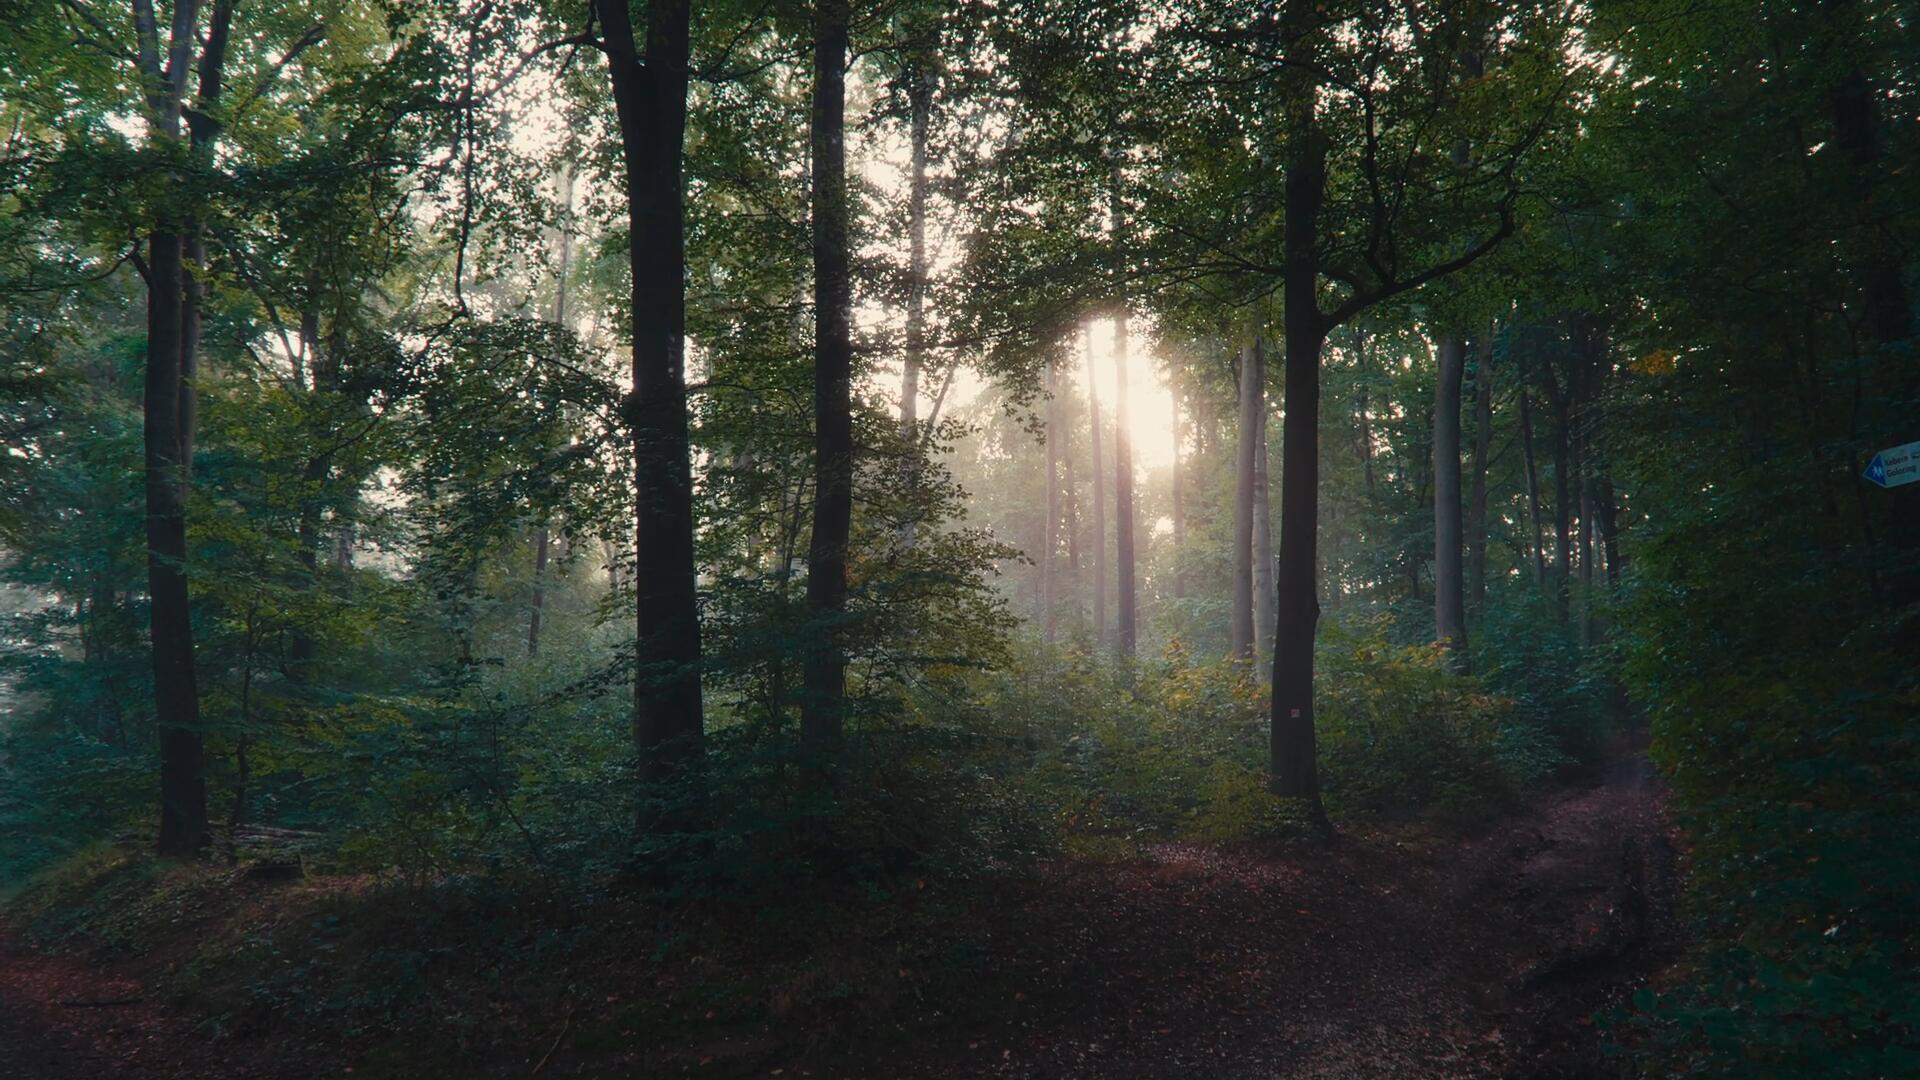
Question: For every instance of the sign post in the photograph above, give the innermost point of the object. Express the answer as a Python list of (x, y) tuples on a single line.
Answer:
[(1895, 466)]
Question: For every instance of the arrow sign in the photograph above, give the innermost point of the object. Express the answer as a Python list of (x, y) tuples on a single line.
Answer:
[(1895, 466)]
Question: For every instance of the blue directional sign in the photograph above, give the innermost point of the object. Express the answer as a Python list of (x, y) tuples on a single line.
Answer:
[(1895, 466)]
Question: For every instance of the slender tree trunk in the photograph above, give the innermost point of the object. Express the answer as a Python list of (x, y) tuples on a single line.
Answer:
[(650, 100), (1477, 499), (1608, 521), (1538, 529), (921, 79), (1263, 587), (1562, 493), (1246, 469), (821, 713), (542, 537), (1047, 541), (1123, 523), (1072, 495), (1292, 749), (1449, 592), (1179, 507), (1099, 502), (1366, 445)]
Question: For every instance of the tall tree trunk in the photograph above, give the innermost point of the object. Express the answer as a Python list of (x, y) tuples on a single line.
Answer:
[(1366, 445), (1477, 498), (1072, 495), (167, 412), (1263, 598), (1179, 507), (1538, 530), (1449, 592), (1608, 521), (1562, 502), (1099, 501), (1054, 433), (1449, 586), (1123, 531), (1292, 745), (650, 99), (1582, 383), (921, 79), (1245, 478), (1884, 305), (542, 537), (825, 681), (183, 791)]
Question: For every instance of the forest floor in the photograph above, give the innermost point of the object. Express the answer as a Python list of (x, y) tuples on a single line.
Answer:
[(1385, 953)]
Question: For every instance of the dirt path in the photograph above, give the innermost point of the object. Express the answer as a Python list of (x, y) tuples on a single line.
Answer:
[(61, 1019), (1380, 955), (1371, 958)]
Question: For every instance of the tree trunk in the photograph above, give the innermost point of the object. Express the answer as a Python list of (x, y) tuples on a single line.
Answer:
[(825, 674), (1245, 478), (1366, 445), (920, 80), (1449, 592), (167, 412), (1477, 499), (543, 536), (1047, 541), (1179, 508), (1263, 598), (183, 791), (1562, 501), (1123, 531), (650, 101), (1071, 493), (1538, 529), (1099, 502), (541, 539), (1292, 744), (1608, 521), (1856, 124)]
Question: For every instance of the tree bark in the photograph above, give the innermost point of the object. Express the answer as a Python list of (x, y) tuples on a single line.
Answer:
[(650, 100), (1263, 587), (1047, 541), (1252, 414), (1477, 498), (1538, 530), (167, 412), (1123, 523), (1449, 592), (921, 79), (825, 675), (541, 540), (1099, 502), (183, 792), (1179, 507), (1562, 506), (1884, 305), (1292, 750), (542, 537)]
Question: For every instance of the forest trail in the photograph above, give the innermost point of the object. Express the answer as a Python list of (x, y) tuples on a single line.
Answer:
[(1382, 955), (1376, 957)]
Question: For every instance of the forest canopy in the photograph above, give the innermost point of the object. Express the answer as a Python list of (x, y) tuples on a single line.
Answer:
[(759, 468)]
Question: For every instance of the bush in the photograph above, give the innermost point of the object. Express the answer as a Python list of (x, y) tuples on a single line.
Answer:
[(1400, 732)]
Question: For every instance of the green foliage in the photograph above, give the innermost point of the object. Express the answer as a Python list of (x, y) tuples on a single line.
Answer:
[(1399, 732), (1178, 750)]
